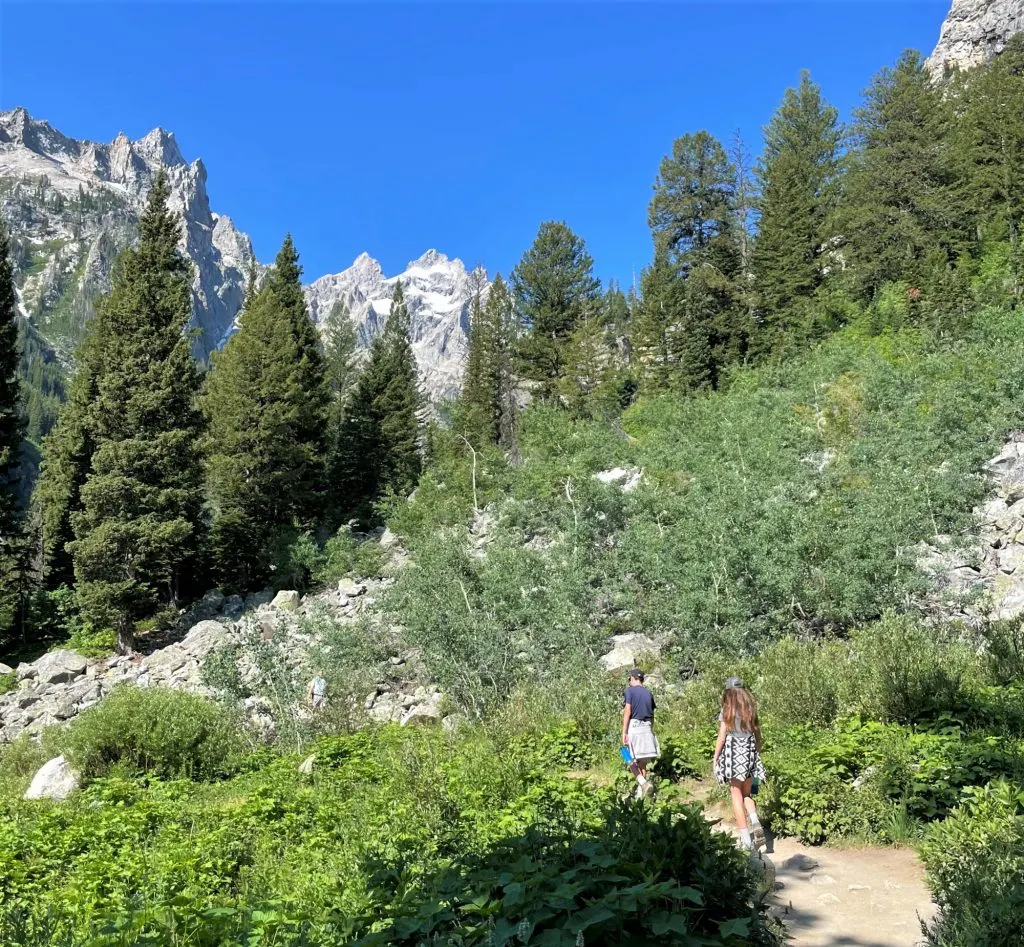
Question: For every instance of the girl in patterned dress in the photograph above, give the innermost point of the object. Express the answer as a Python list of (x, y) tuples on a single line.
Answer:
[(738, 758)]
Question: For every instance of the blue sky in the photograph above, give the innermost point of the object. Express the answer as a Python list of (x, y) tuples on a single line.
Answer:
[(394, 127)]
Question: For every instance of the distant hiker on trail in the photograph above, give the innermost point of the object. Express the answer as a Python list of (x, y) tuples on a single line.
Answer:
[(316, 693), (738, 758), (638, 730)]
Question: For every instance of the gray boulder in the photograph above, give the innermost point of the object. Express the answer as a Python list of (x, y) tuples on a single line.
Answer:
[(349, 588), (59, 667), (626, 650), (54, 780), (427, 713), (287, 601), (204, 637)]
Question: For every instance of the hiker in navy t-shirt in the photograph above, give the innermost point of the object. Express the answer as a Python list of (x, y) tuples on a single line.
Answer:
[(638, 728)]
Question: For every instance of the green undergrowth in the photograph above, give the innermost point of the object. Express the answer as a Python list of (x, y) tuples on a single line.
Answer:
[(397, 836), (791, 503)]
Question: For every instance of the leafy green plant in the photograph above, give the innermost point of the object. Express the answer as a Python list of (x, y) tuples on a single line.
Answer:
[(975, 861), (153, 730)]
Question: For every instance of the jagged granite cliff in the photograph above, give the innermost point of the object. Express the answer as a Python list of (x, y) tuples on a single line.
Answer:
[(73, 205), (975, 31)]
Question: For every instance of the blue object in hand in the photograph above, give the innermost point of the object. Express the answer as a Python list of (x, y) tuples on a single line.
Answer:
[(627, 755), (755, 783)]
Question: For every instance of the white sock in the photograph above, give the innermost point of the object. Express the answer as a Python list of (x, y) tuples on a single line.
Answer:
[(755, 822), (745, 837)]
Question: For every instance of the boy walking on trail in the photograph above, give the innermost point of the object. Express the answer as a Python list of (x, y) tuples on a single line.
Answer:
[(638, 729)]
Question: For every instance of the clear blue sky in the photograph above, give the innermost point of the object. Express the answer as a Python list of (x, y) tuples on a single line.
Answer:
[(393, 128)]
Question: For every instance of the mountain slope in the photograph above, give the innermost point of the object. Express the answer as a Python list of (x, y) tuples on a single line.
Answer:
[(72, 206)]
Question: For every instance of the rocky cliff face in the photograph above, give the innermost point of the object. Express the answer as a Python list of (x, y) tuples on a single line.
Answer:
[(438, 292), (974, 32), (72, 206)]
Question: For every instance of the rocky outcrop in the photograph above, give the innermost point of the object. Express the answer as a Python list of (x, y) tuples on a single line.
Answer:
[(974, 32), (629, 650), (981, 577), (281, 630)]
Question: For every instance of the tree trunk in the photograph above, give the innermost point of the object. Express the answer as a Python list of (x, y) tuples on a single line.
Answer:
[(125, 638)]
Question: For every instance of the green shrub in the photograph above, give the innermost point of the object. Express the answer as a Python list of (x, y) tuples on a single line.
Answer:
[(344, 555), (975, 863), (162, 732), (1005, 650), (900, 672), (220, 671), (8, 682)]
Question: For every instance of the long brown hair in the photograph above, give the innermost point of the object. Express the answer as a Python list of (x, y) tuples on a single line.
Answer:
[(739, 709)]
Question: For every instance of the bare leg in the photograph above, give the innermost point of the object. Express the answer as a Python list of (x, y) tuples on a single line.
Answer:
[(736, 790), (748, 804)]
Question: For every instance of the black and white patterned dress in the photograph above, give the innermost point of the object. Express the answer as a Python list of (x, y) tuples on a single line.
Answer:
[(739, 758)]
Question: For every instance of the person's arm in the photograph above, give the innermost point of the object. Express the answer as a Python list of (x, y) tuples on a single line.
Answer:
[(626, 712), (722, 731)]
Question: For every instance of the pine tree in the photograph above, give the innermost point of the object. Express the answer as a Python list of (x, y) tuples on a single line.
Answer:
[(500, 312), (380, 437), (267, 404), (11, 429), (696, 331), (555, 289), (692, 213), (990, 156), (341, 355), (475, 415), (900, 204), (140, 522), (66, 460), (798, 175)]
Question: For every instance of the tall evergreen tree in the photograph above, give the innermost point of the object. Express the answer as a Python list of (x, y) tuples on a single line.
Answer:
[(692, 213), (381, 433), (798, 175), (555, 289), (66, 461), (475, 414), (990, 154), (140, 522), (900, 207), (696, 330), (267, 405), (11, 429)]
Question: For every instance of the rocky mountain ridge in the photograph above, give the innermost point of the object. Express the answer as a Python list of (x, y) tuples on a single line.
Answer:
[(974, 32), (72, 206)]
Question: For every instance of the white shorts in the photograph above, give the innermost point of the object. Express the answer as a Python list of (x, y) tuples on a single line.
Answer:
[(642, 741)]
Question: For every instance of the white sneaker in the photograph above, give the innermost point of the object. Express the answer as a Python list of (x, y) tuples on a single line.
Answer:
[(757, 837)]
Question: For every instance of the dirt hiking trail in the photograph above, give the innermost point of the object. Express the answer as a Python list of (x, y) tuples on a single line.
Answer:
[(842, 897)]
